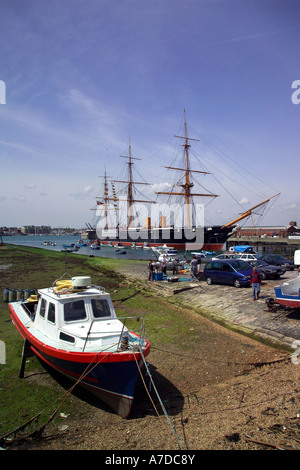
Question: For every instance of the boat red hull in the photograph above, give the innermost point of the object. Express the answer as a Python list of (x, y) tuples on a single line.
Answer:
[(289, 302), (110, 376)]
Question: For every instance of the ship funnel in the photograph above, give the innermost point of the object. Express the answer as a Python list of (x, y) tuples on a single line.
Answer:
[(163, 221)]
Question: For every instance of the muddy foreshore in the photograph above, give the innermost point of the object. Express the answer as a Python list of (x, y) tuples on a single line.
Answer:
[(228, 392)]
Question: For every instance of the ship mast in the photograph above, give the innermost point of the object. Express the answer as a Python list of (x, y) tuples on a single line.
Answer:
[(249, 212), (186, 193), (130, 199), (106, 199)]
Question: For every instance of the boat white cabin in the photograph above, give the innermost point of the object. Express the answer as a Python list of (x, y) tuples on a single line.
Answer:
[(73, 327)]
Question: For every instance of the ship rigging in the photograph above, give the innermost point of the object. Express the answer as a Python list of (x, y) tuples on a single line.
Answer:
[(152, 234)]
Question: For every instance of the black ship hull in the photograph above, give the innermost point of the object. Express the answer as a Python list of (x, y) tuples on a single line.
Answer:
[(210, 238)]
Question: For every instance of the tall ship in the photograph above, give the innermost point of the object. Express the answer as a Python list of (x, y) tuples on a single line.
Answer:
[(181, 226)]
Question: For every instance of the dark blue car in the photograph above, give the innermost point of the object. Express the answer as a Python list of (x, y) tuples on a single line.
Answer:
[(236, 272)]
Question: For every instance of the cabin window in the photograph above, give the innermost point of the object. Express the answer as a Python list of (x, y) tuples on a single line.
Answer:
[(101, 308), (74, 311), (65, 337), (43, 308), (51, 313)]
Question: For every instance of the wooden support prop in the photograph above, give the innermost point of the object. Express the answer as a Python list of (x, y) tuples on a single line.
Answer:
[(25, 354)]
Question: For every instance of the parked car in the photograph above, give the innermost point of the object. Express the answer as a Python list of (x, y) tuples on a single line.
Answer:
[(278, 260), (248, 257), (268, 271), (225, 256), (236, 272)]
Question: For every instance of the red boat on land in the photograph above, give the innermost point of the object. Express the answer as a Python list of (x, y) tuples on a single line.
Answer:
[(73, 327)]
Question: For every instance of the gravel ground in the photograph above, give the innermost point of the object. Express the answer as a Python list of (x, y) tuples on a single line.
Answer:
[(223, 393)]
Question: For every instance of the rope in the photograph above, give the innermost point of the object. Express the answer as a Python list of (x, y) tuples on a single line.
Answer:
[(160, 401), (63, 397), (141, 375)]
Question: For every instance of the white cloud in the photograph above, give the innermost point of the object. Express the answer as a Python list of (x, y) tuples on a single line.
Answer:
[(244, 200), (160, 186), (83, 194)]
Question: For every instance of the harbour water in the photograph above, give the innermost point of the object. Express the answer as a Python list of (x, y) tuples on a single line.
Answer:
[(58, 242)]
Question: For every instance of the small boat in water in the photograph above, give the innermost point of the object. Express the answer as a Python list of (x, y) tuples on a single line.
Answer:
[(288, 293), (82, 243), (72, 326), (72, 247), (95, 245)]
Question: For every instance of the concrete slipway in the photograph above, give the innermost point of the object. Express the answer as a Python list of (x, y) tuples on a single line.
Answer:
[(231, 306)]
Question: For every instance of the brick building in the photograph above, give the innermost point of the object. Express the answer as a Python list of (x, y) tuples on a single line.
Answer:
[(269, 231)]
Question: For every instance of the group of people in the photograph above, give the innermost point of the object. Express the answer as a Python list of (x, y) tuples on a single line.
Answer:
[(194, 266), (255, 277), (153, 266)]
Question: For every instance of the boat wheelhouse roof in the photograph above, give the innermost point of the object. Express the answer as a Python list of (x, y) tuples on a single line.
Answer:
[(88, 292)]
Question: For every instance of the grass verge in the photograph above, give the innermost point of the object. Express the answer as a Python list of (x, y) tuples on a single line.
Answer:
[(33, 268)]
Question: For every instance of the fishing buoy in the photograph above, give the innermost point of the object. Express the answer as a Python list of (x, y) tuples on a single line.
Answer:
[(12, 295), (5, 295), (20, 294), (26, 293)]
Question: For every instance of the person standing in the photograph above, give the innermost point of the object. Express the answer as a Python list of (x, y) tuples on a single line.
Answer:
[(151, 268), (194, 266), (175, 266), (255, 282), (164, 265)]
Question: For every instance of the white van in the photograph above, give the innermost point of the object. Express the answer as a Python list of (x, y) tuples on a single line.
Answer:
[(297, 257)]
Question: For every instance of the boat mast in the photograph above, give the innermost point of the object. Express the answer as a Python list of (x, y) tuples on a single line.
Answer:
[(188, 185), (130, 184), (249, 212), (105, 199), (186, 193), (130, 198)]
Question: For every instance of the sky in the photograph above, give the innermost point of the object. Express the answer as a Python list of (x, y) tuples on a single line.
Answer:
[(79, 78)]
